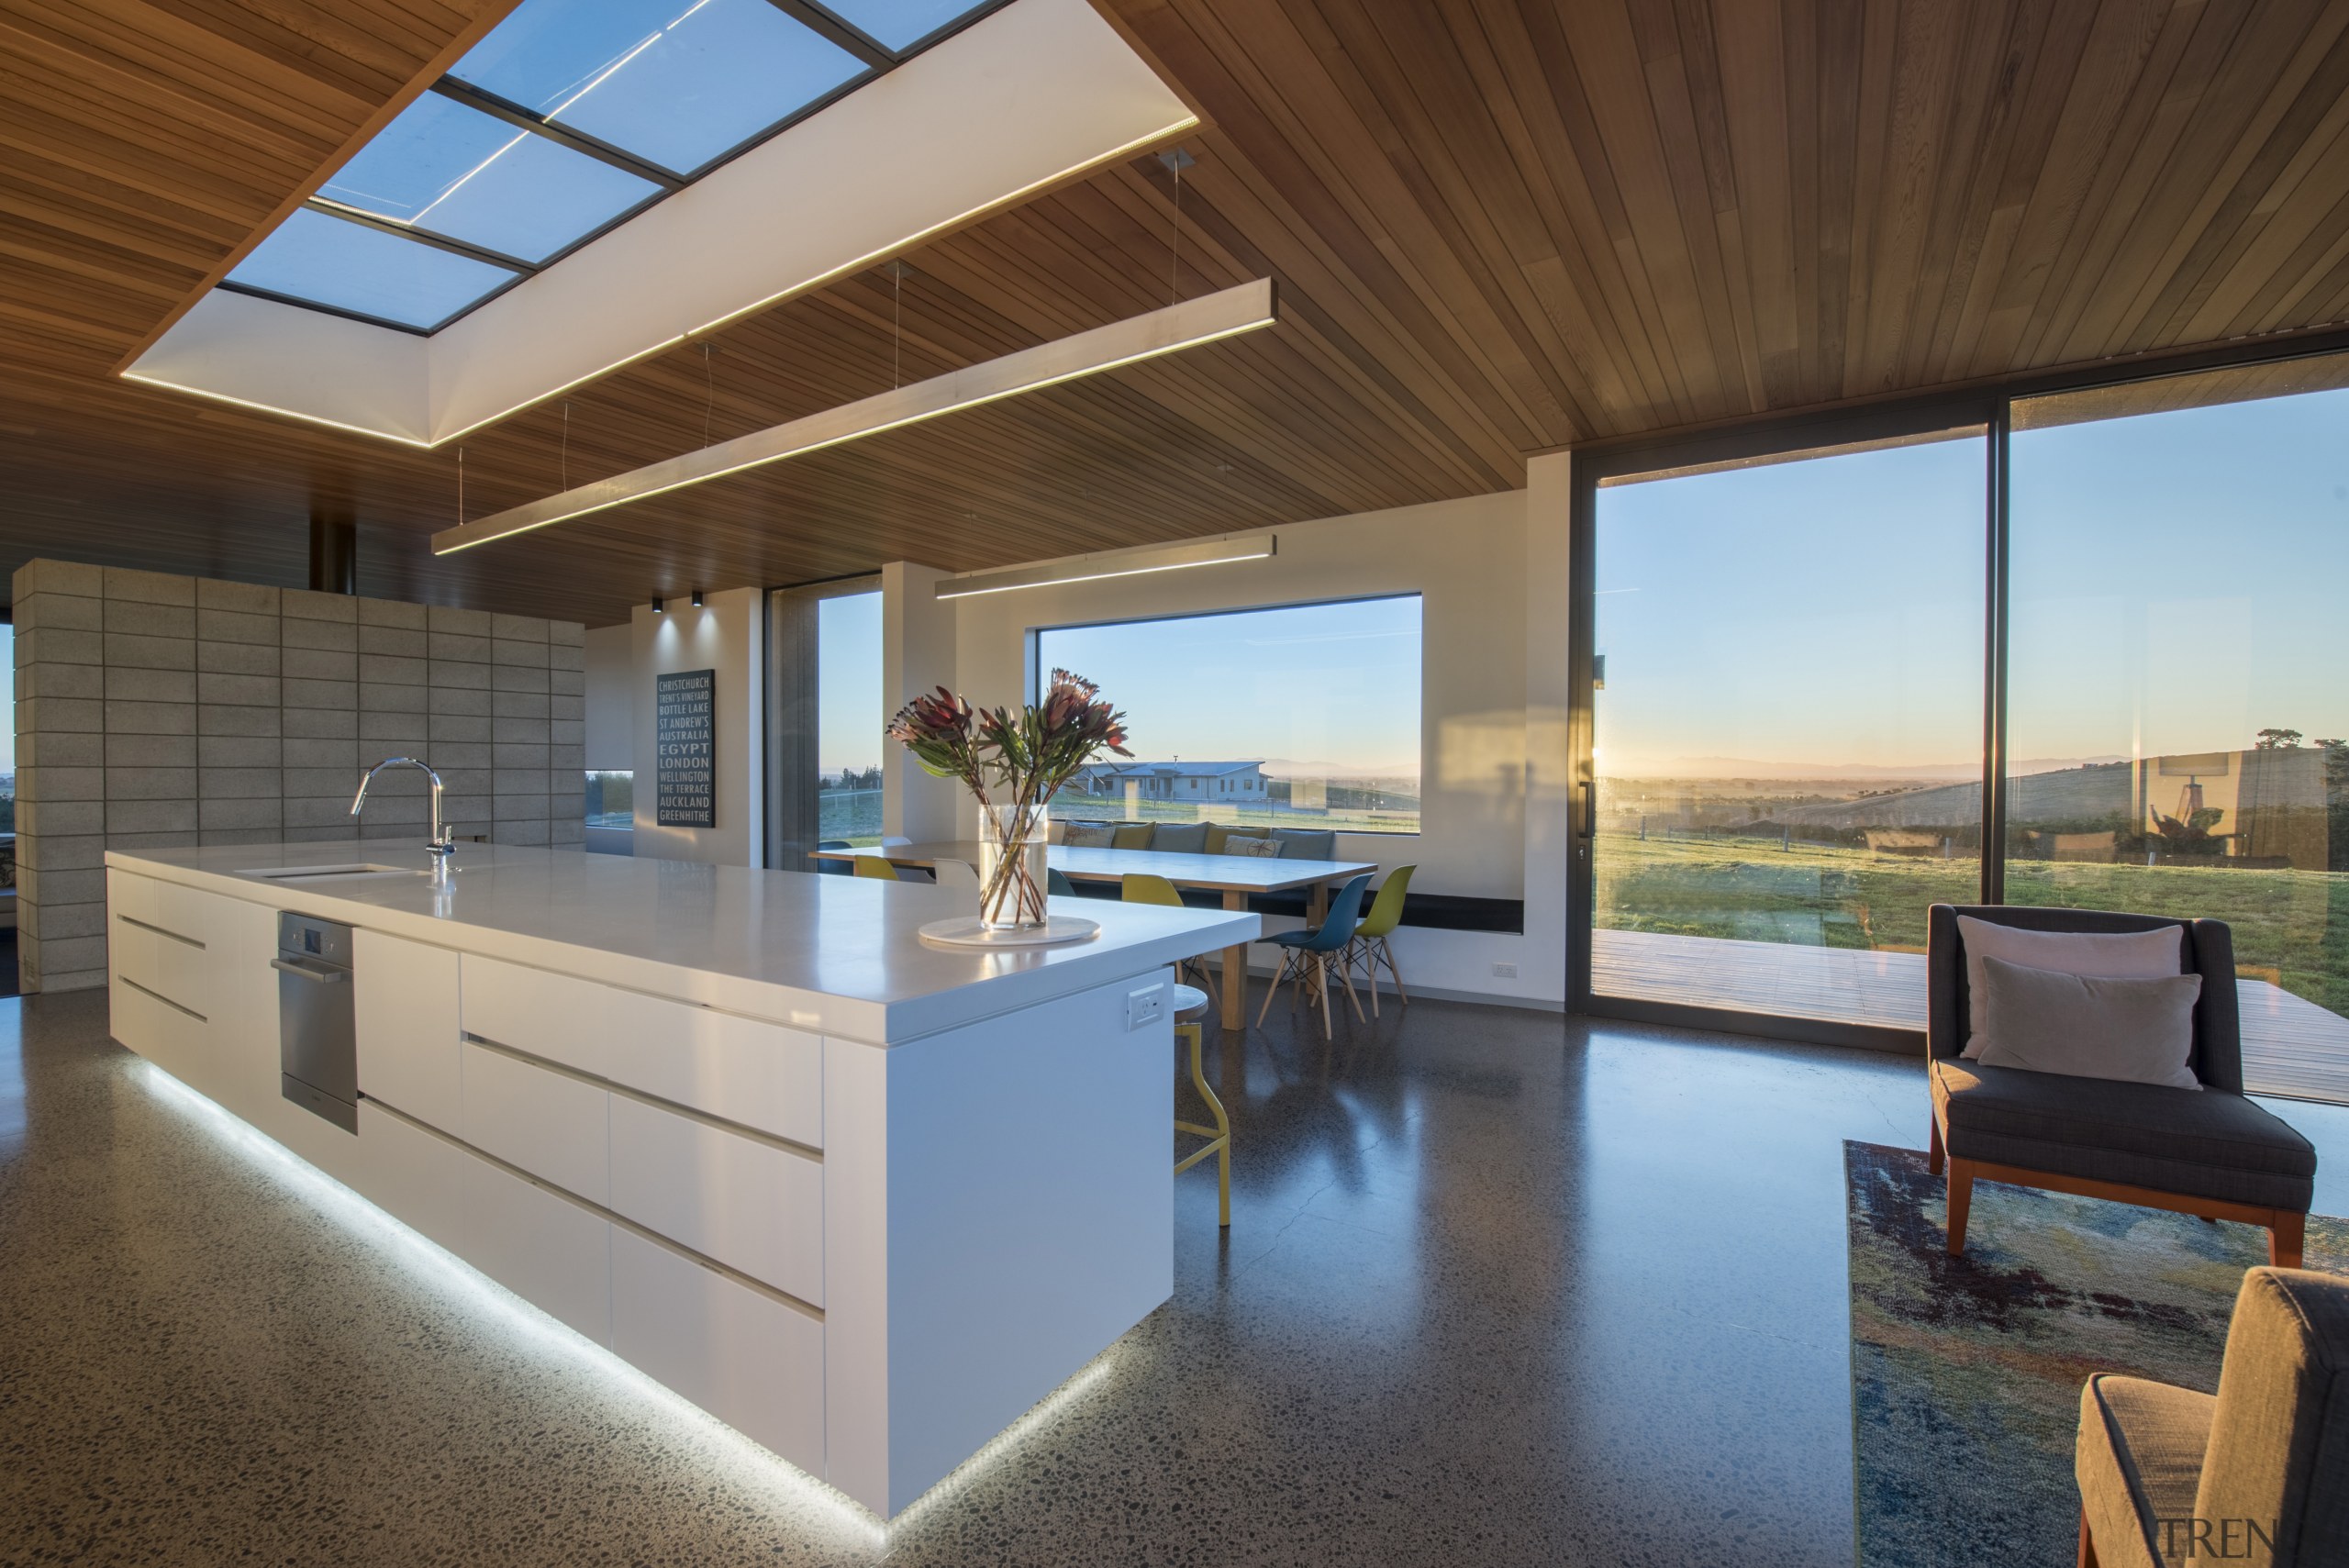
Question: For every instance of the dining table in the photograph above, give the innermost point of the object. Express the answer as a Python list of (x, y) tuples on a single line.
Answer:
[(1237, 877)]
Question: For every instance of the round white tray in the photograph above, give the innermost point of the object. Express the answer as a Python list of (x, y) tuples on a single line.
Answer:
[(966, 932)]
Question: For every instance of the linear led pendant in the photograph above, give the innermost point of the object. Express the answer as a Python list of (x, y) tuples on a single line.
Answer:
[(1110, 563), (1243, 308)]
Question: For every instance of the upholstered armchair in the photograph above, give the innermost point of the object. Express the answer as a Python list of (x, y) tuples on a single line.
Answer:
[(2257, 1474), (2211, 1153)]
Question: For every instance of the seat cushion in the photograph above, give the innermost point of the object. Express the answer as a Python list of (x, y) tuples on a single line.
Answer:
[(1307, 843), (1131, 836), (2201, 1143), (2139, 1460)]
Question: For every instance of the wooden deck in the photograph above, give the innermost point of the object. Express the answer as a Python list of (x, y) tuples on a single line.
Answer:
[(2290, 1046)]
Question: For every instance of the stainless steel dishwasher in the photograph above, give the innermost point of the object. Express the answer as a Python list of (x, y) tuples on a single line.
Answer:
[(317, 1040)]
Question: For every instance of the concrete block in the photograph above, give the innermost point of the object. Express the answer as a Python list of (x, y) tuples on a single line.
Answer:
[(567, 732), (150, 783), (521, 732), (60, 612), (334, 636), (150, 719), (340, 755), (321, 811), (272, 834), (376, 696), (391, 612), (518, 628), (322, 723), (176, 815), (83, 680), (521, 704), (68, 749), (240, 691), (248, 598), (41, 716), (39, 817), (66, 921), (509, 831), (46, 785), (567, 759), (566, 658), (60, 645), (567, 633), (567, 682), (520, 781), (219, 719), (239, 752), (460, 726), (150, 653), (530, 655), (238, 658), (452, 675), (150, 750), (409, 814), (61, 851), (506, 754), (234, 626), (398, 642), (73, 957), (457, 700), (154, 587), (566, 832), (218, 816), (71, 577), (567, 708), (130, 685), (388, 669), (518, 678), (319, 664), (320, 782), (330, 834), (397, 730), (303, 603), (455, 757), (464, 623), (240, 784), (135, 617), (450, 646), (177, 838), (320, 694)]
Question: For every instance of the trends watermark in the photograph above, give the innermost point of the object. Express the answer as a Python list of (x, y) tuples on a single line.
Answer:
[(2196, 1539)]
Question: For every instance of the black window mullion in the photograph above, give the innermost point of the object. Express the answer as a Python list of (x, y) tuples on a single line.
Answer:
[(514, 115), (1993, 655), (836, 31), (366, 219)]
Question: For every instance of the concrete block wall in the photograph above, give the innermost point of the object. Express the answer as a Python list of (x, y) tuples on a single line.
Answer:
[(156, 710)]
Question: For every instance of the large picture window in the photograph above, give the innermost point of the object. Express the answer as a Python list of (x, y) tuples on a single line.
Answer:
[(1303, 716)]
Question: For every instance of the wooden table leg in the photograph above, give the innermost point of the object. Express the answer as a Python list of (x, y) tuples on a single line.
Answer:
[(1235, 972)]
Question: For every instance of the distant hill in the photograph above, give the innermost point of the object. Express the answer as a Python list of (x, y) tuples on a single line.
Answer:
[(1751, 768)]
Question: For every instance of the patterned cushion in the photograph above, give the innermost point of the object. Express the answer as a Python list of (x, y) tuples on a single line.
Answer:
[(1218, 833), (1253, 848), (1131, 836), (1090, 835)]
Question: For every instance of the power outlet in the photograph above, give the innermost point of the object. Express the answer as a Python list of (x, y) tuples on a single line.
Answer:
[(1145, 1007), (1505, 971)]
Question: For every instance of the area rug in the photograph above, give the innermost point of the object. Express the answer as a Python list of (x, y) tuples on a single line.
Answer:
[(1967, 1372)]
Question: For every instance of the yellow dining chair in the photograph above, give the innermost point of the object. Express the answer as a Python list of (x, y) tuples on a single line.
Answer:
[(877, 868), (1369, 950), (1190, 1014), (1144, 887)]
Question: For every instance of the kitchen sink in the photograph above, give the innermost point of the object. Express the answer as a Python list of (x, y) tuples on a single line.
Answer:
[(328, 873)]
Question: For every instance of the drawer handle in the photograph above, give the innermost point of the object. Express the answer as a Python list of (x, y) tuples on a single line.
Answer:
[(159, 930), (320, 973)]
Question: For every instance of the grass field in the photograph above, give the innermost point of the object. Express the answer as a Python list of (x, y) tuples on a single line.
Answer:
[(2290, 926)]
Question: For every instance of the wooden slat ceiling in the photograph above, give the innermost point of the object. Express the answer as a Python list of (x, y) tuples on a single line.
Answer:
[(1500, 227)]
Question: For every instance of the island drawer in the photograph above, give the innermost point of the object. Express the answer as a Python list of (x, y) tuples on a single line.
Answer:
[(765, 1076), (551, 1124), (541, 1246), (741, 1200), (752, 1362)]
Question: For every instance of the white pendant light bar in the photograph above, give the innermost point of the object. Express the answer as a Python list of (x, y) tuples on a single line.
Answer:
[(1103, 564), (1224, 314)]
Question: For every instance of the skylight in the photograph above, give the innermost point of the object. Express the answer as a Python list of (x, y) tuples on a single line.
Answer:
[(571, 116)]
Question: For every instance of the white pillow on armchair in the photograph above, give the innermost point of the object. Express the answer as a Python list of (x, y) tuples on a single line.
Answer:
[(2101, 955)]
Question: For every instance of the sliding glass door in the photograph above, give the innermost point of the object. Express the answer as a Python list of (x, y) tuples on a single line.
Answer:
[(1788, 726), (2178, 694), (2102, 629)]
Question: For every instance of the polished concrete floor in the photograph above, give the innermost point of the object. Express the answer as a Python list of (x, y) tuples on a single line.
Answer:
[(1500, 1287)]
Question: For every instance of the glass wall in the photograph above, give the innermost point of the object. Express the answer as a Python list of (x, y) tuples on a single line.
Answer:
[(2177, 694), (1787, 728), (1306, 716), (848, 719)]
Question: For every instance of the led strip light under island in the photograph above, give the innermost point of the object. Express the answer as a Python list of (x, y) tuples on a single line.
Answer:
[(863, 1199)]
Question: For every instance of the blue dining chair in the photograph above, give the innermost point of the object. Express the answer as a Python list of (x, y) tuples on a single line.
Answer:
[(833, 868), (1057, 885), (1307, 958)]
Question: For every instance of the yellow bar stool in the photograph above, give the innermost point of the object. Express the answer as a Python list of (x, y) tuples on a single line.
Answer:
[(1191, 1006)]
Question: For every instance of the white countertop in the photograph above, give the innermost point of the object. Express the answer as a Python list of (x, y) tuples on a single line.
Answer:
[(836, 954)]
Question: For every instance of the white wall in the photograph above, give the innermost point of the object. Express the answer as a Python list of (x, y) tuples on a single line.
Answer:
[(1491, 570), (611, 698), (917, 643), (728, 635)]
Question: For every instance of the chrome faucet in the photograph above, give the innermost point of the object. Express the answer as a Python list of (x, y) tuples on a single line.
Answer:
[(440, 843)]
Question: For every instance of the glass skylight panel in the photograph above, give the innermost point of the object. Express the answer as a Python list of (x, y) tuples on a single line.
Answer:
[(893, 24), (328, 260), (461, 172), (674, 82)]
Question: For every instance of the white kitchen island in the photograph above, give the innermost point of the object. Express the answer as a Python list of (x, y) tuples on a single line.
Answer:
[(865, 1199)]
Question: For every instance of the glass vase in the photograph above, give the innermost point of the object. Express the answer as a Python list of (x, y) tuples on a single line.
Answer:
[(1012, 876)]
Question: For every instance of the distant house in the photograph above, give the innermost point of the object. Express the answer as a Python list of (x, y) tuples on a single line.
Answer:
[(1206, 781)]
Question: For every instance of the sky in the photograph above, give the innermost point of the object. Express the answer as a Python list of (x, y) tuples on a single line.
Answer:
[(1336, 685), (848, 683), (2177, 584)]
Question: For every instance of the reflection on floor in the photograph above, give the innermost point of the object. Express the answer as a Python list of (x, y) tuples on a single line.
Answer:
[(2290, 1046), (1501, 1287)]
